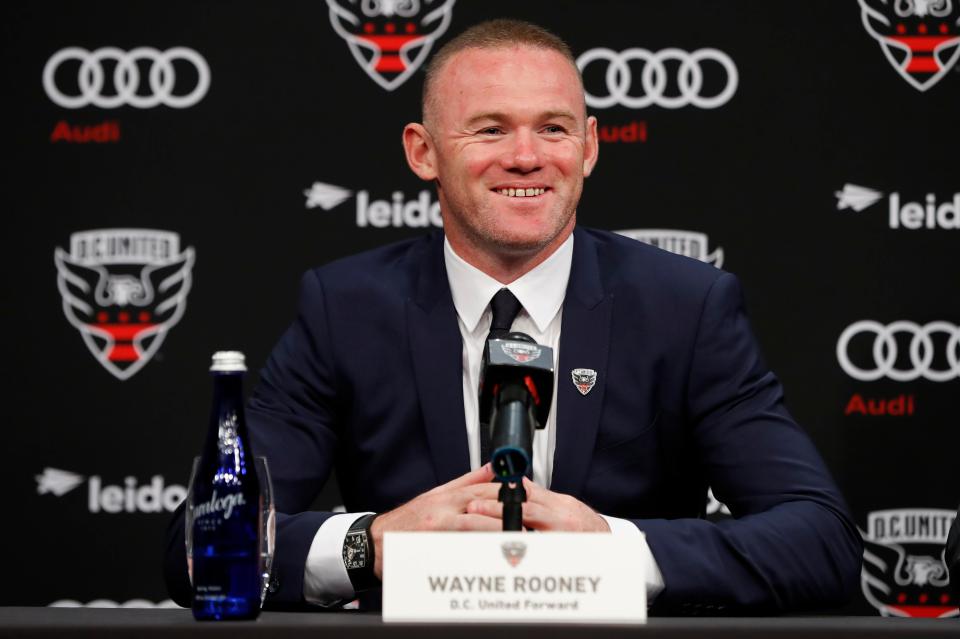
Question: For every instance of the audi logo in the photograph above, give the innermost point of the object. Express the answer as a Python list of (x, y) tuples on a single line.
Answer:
[(653, 78), (885, 352), (126, 78)]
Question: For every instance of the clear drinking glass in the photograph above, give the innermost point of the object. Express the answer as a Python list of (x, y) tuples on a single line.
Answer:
[(268, 522)]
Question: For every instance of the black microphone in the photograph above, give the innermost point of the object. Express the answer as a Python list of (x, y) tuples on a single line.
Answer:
[(516, 389), (952, 555)]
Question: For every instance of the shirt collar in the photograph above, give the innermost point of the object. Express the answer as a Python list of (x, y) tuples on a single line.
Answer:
[(540, 291)]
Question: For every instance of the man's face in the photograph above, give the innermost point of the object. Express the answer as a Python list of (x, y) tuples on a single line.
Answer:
[(511, 144)]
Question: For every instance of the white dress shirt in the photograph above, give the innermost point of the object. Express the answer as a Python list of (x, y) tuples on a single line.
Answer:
[(540, 292)]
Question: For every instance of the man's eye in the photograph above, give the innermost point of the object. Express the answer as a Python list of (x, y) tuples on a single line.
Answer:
[(491, 130), (553, 128)]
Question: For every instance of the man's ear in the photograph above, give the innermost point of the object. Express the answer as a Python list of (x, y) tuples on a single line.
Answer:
[(591, 147), (421, 155)]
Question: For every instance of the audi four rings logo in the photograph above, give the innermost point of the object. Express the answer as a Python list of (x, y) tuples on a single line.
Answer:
[(161, 78), (621, 88), (922, 351)]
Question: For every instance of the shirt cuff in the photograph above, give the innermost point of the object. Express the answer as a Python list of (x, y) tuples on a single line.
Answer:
[(653, 578), (325, 579)]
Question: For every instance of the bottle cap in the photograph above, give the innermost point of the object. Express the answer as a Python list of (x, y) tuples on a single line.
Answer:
[(228, 362)]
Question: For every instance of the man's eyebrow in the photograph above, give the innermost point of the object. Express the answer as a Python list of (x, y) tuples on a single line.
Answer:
[(489, 116), (496, 116), (558, 115)]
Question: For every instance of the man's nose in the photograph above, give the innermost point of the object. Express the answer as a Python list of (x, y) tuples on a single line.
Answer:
[(523, 153)]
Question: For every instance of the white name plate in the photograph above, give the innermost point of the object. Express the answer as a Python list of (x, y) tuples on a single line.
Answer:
[(512, 577)]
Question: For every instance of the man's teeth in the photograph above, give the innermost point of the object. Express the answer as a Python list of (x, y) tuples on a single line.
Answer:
[(521, 192)]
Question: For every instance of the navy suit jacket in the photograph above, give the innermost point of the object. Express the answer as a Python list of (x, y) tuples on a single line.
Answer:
[(368, 380)]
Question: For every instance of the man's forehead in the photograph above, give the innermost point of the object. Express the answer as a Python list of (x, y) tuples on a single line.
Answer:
[(516, 55), (472, 80)]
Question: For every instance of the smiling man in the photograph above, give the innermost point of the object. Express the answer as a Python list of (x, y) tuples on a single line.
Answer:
[(507, 139), (378, 375)]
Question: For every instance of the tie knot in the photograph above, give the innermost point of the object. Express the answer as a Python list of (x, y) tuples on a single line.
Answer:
[(505, 307)]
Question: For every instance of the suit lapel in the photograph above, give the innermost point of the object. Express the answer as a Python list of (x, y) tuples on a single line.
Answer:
[(584, 343), (437, 355)]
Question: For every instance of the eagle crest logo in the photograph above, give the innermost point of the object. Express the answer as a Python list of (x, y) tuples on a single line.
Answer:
[(513, 552), (904, 573), (390, 39), (920, 38), (124, 289), (584, 379)]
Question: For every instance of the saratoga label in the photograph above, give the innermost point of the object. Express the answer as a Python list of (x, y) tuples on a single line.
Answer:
[(216, 504)]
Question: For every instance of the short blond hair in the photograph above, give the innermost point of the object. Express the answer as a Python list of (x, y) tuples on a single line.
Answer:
[(492, 34)]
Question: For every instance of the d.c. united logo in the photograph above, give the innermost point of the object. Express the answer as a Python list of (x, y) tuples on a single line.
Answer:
[(921, 38), (904, 573), (521, 351), (513, 552), (123, 289), (390, 39)]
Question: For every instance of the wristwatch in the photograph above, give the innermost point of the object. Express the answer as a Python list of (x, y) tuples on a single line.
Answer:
[(358, 555)]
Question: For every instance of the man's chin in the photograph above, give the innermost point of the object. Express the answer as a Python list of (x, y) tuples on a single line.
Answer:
[(522, 244)]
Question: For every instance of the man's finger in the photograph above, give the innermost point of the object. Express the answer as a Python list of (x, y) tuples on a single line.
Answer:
[(538, 517), (535, 492), (479, 476), (458, 499), (535, 516), (477, 523), (486, 507), (481, 491)]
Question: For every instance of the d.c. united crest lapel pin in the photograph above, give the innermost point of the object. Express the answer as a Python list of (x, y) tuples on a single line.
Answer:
[(584, 379)]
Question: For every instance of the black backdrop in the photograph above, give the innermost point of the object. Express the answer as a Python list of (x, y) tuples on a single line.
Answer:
[(779, 134)]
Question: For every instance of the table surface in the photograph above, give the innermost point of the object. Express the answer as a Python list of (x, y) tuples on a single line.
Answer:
[(144, 623)]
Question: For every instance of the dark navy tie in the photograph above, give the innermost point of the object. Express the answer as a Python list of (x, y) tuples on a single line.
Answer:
[(505, 308)]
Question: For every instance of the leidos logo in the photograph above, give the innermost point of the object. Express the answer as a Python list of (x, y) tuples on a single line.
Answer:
[(396, 212), (154, 497), (688, 243), (390, 39), (58, 482), (921, 38), (931, 214), (123, 289), (904, 573)]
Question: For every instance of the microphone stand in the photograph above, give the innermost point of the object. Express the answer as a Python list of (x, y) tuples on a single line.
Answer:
[(512, 495), (512, 439), (515, 394)]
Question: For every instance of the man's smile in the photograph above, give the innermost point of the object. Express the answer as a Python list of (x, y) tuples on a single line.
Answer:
[(530, 191)]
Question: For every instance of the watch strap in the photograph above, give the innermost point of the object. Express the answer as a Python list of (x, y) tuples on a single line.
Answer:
[(363, 577)]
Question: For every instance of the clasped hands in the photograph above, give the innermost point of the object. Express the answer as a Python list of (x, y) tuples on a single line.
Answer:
[(469, 503)]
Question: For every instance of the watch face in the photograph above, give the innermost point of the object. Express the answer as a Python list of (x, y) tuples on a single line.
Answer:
[(355, 550)]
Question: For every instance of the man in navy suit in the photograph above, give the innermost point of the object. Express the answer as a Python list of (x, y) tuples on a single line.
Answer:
[(377, 376)]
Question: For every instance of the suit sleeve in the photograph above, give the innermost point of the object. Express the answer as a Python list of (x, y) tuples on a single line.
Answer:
[(791, 544), (292, 417)]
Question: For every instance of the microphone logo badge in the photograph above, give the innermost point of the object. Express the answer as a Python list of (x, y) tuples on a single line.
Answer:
[(513, 552), (521, 351), (584, 379)]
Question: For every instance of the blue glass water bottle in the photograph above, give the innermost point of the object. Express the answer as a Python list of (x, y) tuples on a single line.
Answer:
[(227, 506)]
